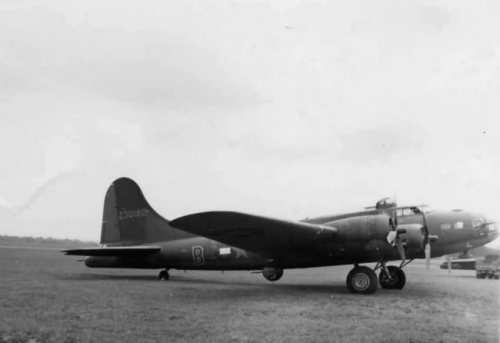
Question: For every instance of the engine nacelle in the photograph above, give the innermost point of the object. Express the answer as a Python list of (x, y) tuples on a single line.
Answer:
[(413, 235), (413, 238), (362, 228), (272, 273)]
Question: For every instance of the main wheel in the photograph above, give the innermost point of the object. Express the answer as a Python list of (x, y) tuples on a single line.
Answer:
[(396, 281), (163, 275), (362, 280)]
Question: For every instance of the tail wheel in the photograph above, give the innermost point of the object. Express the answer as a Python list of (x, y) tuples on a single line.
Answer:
[(362, 280), (272, 273), (163, 275), (397, 279)]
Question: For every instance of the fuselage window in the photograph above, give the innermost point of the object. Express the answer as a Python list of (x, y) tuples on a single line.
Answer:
[(445, 226), (458, 225)]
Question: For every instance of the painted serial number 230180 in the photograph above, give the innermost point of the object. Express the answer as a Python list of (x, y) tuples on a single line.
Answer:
[(130, 214)]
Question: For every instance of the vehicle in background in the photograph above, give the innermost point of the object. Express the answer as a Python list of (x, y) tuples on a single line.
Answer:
[(464, 264), (489, 267)]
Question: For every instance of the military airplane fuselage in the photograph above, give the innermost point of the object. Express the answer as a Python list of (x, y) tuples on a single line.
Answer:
[(135, 236)]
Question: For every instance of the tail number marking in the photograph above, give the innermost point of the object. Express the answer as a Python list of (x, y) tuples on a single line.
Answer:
[(129, 214), (198, 257)]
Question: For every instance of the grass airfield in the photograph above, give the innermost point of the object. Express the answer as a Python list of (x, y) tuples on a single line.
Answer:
[(48, 297)]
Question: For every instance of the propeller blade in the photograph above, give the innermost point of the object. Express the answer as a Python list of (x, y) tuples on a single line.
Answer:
[(401, 249), (428, 255), (391, 237)]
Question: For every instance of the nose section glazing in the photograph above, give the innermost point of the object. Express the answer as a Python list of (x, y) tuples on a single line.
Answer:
[(485, 227), (492, 230)]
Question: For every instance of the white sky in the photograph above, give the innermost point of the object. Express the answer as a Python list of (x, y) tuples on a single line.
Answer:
[(280, 108)]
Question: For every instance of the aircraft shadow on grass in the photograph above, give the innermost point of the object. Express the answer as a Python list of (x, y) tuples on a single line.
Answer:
[(427, 290), (315, 288)]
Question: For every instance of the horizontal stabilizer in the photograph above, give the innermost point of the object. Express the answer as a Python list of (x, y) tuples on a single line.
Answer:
[(114, 251)]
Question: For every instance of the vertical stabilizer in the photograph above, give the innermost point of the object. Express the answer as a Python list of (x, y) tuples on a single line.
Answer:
[(128, 219)]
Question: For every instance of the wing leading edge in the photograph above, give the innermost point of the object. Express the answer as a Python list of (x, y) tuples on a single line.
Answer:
[(268, 236)]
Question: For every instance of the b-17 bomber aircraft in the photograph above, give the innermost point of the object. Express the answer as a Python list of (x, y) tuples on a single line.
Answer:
[(134, 235)]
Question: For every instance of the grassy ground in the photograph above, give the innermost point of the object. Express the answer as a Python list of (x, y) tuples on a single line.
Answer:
[(48, 297)]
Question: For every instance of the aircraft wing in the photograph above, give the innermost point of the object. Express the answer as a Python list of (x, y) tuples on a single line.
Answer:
[(267, 236), (114, 251)]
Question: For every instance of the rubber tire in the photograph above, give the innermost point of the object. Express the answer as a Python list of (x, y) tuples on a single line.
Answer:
[(163, 275), (272, 274), (362, 280), (398, 278)]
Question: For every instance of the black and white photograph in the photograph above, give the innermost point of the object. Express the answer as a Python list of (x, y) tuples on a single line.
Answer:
[(249, 171)]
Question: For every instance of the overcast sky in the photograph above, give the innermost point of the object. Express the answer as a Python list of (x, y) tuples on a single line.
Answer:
[(280, 108)]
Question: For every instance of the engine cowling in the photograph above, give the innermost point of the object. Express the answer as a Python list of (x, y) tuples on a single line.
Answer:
[(413, 237), (361, 228)]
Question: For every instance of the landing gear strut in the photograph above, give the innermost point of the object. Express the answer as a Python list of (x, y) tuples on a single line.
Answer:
[(362, 280), (164, 275), (392, 277)]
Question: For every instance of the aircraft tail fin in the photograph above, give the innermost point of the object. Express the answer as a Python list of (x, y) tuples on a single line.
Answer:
[(128, 219)]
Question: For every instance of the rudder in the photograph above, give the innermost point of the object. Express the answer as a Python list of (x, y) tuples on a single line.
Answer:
[(128, 219)]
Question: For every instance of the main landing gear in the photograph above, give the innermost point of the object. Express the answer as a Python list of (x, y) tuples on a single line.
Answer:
[(164, 275), (363, 280), (392, 278)]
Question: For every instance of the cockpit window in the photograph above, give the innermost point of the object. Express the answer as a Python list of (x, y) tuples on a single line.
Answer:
[(408, 211), (458, 225)]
